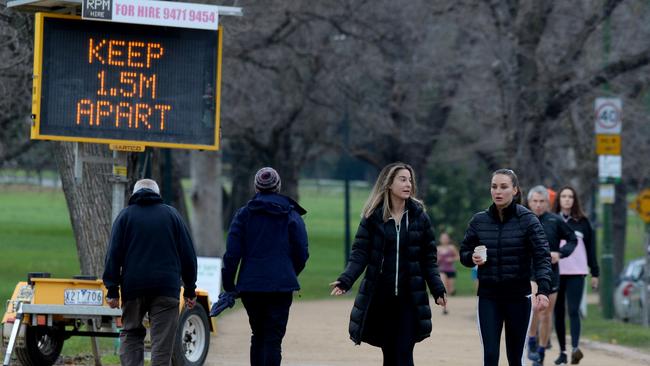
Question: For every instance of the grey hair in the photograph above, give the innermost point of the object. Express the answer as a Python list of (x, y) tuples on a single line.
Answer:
[(146, 183), (539, 190)]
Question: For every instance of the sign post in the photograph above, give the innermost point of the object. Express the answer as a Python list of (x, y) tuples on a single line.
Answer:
[(608, 125), (646, 272)]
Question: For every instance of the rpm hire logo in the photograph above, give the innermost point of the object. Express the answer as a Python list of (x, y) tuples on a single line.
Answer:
[(97, 9)]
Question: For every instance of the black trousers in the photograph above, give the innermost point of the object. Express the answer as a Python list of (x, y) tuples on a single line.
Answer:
[(569, 297), (391, 321), (268, 314), (398, 349), (493, 315)]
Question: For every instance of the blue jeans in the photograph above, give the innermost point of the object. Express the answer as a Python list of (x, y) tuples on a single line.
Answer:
[(268, 314)]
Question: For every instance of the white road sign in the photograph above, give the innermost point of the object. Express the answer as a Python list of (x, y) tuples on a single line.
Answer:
[(609, 166), (209, 276), (608, 115)]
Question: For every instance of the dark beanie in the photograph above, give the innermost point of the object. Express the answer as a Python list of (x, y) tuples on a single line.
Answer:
[(267, 180)]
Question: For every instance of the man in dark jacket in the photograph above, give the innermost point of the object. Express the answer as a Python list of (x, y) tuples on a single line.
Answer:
[(149, 253), (556, 230), (267, 241)]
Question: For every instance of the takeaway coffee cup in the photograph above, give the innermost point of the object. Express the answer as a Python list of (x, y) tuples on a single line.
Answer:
[(482, 251)]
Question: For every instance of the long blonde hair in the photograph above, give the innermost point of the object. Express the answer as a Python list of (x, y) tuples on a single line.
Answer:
[(380, 193)]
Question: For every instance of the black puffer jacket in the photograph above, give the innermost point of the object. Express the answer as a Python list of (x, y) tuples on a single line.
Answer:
[(368, 253), (512, 244)]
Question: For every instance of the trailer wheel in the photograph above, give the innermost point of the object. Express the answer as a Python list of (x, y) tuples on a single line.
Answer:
[(42, 346), (192, 337)]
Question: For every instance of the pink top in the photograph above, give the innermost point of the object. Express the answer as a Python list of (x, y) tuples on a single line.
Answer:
[(446, 258), (576, 263)]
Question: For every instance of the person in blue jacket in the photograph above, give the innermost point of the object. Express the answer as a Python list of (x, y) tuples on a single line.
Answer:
[(267, 242)]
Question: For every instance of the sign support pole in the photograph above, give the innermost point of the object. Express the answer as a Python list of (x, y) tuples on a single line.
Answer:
[(119, 181), (608, 127), (607, 262), (642, 206)]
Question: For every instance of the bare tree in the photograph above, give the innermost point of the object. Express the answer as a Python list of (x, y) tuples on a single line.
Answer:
[(274, 72), (89, 203), (15, 83)]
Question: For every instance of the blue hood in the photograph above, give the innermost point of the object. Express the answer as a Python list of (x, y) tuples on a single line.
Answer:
[(274, 204)]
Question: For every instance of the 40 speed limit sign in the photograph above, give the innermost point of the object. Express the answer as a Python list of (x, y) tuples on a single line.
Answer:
[(608, 115)]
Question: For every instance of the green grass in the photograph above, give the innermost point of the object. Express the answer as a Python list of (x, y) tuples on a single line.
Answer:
[(325, 227), (35, 235), (611, 331)]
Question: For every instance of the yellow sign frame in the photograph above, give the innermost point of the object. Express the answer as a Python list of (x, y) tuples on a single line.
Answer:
[(608, 144), (37, 89), (642, 205)]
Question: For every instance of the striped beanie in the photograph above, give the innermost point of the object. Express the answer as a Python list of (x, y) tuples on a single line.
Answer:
[(267, 180)]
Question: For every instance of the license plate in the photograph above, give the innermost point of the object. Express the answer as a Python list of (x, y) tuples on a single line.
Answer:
[(83, 297)]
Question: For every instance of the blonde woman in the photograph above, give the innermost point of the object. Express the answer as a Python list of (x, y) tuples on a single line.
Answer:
[(395, 247)]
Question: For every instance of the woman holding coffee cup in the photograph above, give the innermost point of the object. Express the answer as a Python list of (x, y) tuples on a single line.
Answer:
[(506, 242)]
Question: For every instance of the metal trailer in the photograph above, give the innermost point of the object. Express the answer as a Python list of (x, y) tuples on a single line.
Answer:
[(50, 310)]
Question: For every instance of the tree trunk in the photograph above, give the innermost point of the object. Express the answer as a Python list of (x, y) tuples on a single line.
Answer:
[(289, 175), (243, 169), (165, 171), (89, 203), (207, 203)]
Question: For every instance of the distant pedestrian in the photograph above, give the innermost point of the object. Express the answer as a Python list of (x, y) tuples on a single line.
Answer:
[(447, 257), (573, 270), (150, 252), (395, 247), (267, 250), (513, 239)]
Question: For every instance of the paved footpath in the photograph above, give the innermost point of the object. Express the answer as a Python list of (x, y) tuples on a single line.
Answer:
[(317, 336)]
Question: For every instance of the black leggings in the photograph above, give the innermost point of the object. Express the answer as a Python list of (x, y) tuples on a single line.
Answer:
[(493, 314), (569, 296), (398, 350)]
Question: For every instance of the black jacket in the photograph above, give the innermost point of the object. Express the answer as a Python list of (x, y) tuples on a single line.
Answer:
[(511, 246), (267, 241), (368, 254), (150, 251), (556, 230)]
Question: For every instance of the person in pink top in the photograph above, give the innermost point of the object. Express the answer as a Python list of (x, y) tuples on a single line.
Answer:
[(573, 270), (447, 257)]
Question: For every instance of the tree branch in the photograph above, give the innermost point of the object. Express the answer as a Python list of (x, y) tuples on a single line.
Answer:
[(16, 152), (559, 102), (576, 46)]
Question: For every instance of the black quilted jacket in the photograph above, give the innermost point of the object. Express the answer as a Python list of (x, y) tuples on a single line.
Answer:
[(512, 245), (367, 254)]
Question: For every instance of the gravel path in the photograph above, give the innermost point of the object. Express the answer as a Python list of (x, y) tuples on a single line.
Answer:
[(317, 336)]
